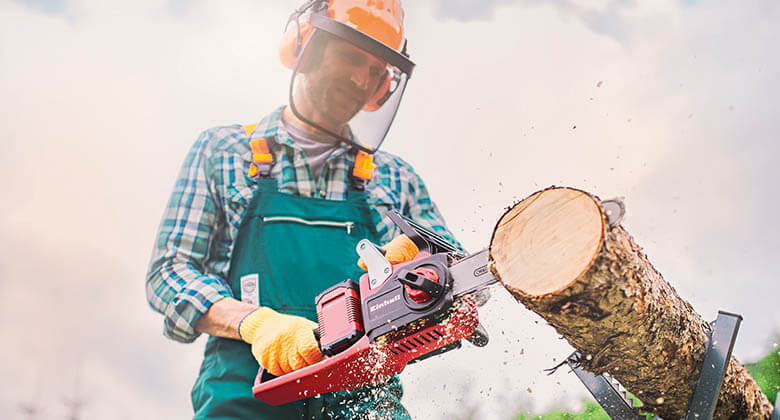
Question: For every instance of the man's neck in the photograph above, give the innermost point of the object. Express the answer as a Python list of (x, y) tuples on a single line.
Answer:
[(291, 118), (304, 134)]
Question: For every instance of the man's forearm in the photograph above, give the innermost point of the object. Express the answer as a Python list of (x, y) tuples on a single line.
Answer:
[(222, 318)]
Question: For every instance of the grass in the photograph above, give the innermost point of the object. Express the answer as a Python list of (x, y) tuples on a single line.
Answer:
[(766, 372), (592, 411)]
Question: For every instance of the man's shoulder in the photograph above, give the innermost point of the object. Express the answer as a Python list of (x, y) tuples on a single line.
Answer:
[(223, 138), (388, 161), (234, 138)]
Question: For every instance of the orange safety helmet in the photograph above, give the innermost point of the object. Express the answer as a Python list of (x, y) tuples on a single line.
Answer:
[(379, 19)]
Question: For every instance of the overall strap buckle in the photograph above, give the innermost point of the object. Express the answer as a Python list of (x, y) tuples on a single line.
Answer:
[(262, 158), (362, 170)]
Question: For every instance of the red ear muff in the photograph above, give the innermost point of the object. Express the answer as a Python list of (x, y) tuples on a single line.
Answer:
[(380, 96), (297, 33), (292, 43)]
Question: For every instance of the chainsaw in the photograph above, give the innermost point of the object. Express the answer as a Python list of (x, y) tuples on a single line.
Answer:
[(397, 315)]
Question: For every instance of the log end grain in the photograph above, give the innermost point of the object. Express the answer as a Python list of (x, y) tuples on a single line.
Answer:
[(547, 241)]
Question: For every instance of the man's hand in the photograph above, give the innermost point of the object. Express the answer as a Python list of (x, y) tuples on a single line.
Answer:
[(280, 343), (400, 249)]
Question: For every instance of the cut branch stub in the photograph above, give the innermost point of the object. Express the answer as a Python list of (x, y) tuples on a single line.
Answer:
[(555, 252)]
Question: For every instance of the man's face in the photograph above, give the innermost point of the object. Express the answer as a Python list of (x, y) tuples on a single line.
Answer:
[(346, 78)]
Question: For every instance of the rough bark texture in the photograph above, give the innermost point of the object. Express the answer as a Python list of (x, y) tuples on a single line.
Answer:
[(624, 317)]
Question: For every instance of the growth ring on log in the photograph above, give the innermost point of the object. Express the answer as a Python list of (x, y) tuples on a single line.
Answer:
[(533, 258)]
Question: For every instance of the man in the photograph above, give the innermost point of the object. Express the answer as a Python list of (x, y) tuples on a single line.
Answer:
[(264, 217)]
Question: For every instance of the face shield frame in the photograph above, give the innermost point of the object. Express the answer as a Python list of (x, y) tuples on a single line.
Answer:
[(399, 61)]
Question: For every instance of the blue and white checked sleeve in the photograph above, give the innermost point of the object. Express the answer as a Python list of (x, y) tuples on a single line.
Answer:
[(424, 211), (399, 184), (177, 284)]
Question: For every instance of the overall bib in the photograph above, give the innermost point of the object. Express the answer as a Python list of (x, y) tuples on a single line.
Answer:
[(292, 247)]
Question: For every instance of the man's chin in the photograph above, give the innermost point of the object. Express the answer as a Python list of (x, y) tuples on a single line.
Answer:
[(341, 117)]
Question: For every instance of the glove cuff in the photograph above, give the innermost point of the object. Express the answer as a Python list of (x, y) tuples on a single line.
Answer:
[(248, 326)]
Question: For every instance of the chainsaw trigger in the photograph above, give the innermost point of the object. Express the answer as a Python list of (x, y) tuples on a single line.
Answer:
[(265, 375)]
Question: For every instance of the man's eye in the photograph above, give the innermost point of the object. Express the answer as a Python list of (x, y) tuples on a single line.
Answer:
[(353, 58), (375, 71)]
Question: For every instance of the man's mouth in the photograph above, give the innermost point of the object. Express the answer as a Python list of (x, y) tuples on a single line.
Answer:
[(350, 93)]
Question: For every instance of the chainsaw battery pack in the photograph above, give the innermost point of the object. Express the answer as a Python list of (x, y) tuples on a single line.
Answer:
[(339, 317)]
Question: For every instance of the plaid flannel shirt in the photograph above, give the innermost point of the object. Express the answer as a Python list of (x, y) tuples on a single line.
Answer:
[(191, 257)]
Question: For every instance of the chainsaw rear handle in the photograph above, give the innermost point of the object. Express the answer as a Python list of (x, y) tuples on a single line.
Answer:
[(265, 375)]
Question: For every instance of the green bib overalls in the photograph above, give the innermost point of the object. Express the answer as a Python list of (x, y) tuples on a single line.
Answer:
[(294, 247)]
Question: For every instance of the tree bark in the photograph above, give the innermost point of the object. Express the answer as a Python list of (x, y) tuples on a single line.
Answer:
[(556, 253)]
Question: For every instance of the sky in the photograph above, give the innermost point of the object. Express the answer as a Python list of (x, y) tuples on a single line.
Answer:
[(671, 105)]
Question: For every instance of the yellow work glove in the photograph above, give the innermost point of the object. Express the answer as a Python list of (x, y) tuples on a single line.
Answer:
[(400, 249), (280, 343)]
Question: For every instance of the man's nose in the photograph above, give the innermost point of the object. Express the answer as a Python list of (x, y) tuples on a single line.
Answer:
[(361, 77)]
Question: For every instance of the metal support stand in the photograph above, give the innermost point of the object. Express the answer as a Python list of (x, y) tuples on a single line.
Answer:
[(716, 359), (607, 391)]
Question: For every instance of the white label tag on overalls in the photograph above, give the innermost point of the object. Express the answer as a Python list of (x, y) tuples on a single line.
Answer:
[(250, 289)]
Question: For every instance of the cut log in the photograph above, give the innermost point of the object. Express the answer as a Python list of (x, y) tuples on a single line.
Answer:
[(556, 253)]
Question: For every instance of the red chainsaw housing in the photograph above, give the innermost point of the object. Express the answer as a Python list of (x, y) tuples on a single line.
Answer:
[(365, 362)]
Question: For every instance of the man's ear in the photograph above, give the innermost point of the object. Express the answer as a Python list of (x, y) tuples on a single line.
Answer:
[(313, 52), (306, 62)]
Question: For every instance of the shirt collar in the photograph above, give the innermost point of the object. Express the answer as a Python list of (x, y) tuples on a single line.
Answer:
[(272, 128)]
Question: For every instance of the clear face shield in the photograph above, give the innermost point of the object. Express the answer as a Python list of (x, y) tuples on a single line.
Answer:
[(347, 84)]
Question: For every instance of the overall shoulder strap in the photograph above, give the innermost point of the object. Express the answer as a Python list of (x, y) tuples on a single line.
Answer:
[(362, 170), (262, 158)]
